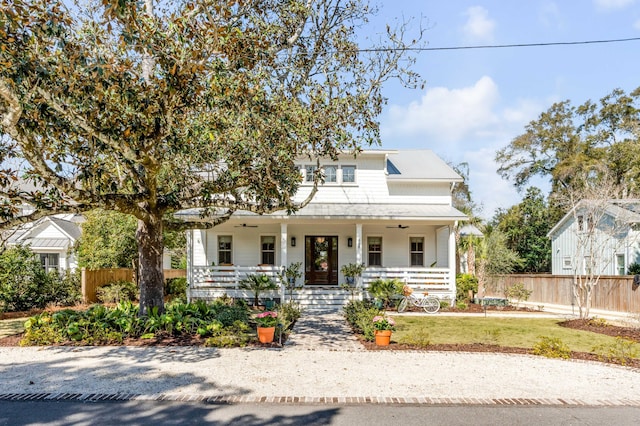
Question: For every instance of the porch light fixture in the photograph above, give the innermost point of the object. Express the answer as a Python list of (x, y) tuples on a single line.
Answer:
[(350, 242), (293, 241)]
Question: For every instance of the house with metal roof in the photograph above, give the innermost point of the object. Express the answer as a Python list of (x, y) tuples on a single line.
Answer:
[(51, 238), (389, 210), (597, 236)]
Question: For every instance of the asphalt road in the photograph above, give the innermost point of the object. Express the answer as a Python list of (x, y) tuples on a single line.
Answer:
[(54, 413)]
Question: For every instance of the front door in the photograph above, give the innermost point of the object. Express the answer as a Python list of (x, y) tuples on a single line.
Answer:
[(321, 260)]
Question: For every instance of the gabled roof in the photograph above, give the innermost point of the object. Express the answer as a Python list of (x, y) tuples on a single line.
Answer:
[(68, 228), (419, 164), (627, 210)]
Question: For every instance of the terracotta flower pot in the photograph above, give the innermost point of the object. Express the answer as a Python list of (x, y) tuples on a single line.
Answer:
[(266, 334), (383, 337)]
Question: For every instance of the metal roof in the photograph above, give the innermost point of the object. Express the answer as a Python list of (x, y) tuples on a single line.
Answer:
[(47, 242), (421, 164), (356, 211)]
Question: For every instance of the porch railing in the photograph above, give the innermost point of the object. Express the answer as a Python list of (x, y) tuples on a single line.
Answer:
[(436, 280), (229, 277)]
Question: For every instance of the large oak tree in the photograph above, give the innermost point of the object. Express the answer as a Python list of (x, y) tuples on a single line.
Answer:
[(147, 108)]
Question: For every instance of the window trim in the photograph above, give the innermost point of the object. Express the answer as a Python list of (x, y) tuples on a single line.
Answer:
[(263, 251), (44, 262), (229, 250), (411, 251), (375, 252), (342, 167)]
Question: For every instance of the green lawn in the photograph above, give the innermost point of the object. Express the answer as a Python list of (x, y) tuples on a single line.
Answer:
[(513, 332)]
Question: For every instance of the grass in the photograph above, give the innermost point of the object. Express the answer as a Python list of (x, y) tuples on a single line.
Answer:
[(511, 332), (11, 326)]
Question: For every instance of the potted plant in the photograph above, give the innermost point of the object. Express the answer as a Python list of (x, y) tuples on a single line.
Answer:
[(383, 326), (257, 283), (266, 326), (351, 272), (290, 276)]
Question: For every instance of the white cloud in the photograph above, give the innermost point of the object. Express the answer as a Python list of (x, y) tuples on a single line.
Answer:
[(466, 124), (479, 27), (612, 4), (452, 114), (550, 16)]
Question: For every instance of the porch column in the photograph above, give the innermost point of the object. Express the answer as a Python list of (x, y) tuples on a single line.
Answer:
[(189, 263), (283, 255), (451, 263), (359, 255)]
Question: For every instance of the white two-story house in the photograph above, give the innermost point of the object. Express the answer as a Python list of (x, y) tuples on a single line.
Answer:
[(390, 210)]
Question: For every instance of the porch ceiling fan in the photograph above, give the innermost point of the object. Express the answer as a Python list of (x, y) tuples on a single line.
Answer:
[(244, 225), (399, 227)]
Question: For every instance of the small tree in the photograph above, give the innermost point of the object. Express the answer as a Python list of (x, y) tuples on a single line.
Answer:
[(600, 227), (257, 283), (290, 276), (352, 272)]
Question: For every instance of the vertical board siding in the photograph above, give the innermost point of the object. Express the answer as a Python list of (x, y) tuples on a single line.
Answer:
[(612, 293), (92, 280)]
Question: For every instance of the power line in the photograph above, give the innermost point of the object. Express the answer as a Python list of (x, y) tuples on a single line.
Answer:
[(502, 46)]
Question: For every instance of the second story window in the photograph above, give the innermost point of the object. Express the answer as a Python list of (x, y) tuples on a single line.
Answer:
[(348, 174), (268, 249), (374, 247), (417, 251), (330, 174), (309, 172), (224, 250)]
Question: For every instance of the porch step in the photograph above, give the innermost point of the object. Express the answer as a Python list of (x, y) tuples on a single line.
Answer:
[(321, 299)]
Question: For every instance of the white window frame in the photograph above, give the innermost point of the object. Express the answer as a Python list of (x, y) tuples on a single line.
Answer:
[(309, 171), (326, 175), (617, 257), (411, 251), (225, 250), (46, 265), (263, 251), (380, 252), (348, 166), (567, 262)]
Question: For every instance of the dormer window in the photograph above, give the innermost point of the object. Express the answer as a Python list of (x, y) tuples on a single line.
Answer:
[(309, 171), (330, 174), (348, 174)]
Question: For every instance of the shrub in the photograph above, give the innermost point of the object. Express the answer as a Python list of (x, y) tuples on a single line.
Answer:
[(464, 284), (634, 269), (289, 313), (621, 351), (257, 283), (117, 291), (360, 316), (462, 306), (518, 292), (551, 347), (176, 288), (385, 290), (420, 338), (25, 285)]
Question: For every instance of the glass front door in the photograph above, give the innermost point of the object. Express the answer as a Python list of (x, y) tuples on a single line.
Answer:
[(321, 260)]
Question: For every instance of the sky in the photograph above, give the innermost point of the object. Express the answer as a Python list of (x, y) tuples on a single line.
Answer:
[(476, 101)]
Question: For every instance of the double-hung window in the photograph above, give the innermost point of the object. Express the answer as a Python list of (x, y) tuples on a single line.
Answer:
[(374, 248), (330, 174), (268, 249), (348, 174), (309, 173), (224, 249), (416, 250), (49, 261)]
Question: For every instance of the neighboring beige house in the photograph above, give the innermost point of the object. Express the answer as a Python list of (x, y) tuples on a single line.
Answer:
[(391, 210), (52, 239)]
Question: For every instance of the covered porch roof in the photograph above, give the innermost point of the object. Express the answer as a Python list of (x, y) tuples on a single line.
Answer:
[(326, 211)]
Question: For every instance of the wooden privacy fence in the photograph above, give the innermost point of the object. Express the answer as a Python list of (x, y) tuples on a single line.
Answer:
[(94, 279), (613, 293)]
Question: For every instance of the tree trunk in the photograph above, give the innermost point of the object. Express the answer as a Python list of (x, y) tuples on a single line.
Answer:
[(150, 272)]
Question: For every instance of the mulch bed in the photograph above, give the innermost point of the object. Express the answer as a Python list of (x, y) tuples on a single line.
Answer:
[(577, 324)]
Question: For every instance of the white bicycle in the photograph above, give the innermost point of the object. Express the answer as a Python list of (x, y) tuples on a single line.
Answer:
[(430, 304)]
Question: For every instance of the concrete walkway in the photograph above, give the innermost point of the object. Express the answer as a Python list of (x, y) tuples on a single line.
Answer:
[(322, 331)]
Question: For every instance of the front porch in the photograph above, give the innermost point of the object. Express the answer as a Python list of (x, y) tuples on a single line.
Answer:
[(211, 282)]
